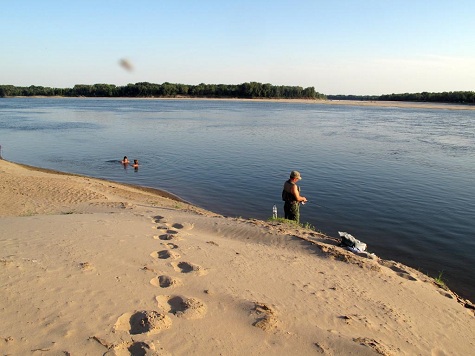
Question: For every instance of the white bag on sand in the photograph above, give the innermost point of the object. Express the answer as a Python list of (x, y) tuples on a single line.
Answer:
[(348, 240)]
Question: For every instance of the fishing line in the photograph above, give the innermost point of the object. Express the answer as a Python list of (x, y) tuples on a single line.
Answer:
[(313, 203)]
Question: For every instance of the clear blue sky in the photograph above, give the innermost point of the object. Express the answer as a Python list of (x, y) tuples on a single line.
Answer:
[(339, 47)]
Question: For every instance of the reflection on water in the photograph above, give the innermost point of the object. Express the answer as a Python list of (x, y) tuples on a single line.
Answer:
[(398, 179)]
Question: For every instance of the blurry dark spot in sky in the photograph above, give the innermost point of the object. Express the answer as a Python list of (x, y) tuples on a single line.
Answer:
[(126, 64)]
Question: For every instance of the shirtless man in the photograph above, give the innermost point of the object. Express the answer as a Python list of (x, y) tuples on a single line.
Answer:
[(291, 196)]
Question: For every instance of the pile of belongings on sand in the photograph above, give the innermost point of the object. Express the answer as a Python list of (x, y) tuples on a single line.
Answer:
[(351, 243)]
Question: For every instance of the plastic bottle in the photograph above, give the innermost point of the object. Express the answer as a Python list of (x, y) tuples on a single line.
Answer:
[(274, 212)]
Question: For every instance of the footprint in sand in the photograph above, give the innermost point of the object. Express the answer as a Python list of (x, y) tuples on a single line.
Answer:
[(131, 347), (361, 319), (157, 219), (143, 322), (165, 254), (184, 226), (182, 307), (187, 267), (378, 347), (160, 220), (446, 294), (265, 317), (86, 266), (139, 348), (161, 227), (164, 237), (177, 226), (320, 348), (169, 236), (165, 282), (407, 276), (399, 270)]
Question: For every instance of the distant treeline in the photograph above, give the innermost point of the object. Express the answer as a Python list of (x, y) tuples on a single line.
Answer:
[(251, 90), (150, 90), (458, 97)]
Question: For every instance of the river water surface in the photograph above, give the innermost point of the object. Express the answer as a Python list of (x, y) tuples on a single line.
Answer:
[(399, 179)]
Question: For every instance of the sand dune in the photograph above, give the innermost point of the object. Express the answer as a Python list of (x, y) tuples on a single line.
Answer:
[(91, 267)]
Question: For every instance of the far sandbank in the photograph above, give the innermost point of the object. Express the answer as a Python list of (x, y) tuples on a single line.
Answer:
[(396, 104)]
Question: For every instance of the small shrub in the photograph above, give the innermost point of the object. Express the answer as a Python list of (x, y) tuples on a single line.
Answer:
[(439, 281), (292, 223)]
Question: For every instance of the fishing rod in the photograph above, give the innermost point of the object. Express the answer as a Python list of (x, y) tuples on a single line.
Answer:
[(313, 203)]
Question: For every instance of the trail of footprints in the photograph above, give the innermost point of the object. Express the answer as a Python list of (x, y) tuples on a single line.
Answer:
[(169, 236), (131, 331)]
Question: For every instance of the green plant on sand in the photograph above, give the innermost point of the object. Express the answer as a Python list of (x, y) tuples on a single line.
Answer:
[(439, 281), (292, 223)]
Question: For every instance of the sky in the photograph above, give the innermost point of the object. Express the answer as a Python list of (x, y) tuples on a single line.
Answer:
[(360, 47)]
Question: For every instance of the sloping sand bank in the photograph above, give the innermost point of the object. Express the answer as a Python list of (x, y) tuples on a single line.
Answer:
[(91, 267)]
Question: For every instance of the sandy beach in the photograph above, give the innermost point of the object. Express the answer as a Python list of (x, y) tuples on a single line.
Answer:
[(394, 104), (92, 267)]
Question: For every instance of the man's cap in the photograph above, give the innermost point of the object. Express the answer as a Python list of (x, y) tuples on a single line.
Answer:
[(295, 174)]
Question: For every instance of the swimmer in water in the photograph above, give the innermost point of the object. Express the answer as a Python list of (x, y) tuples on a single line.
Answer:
[(136, 164), (125, 161)]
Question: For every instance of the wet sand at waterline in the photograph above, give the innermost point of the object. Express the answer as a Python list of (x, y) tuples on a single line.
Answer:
[(90, 267)]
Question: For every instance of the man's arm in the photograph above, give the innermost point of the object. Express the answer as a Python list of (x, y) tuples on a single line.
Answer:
[(297, 195)]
